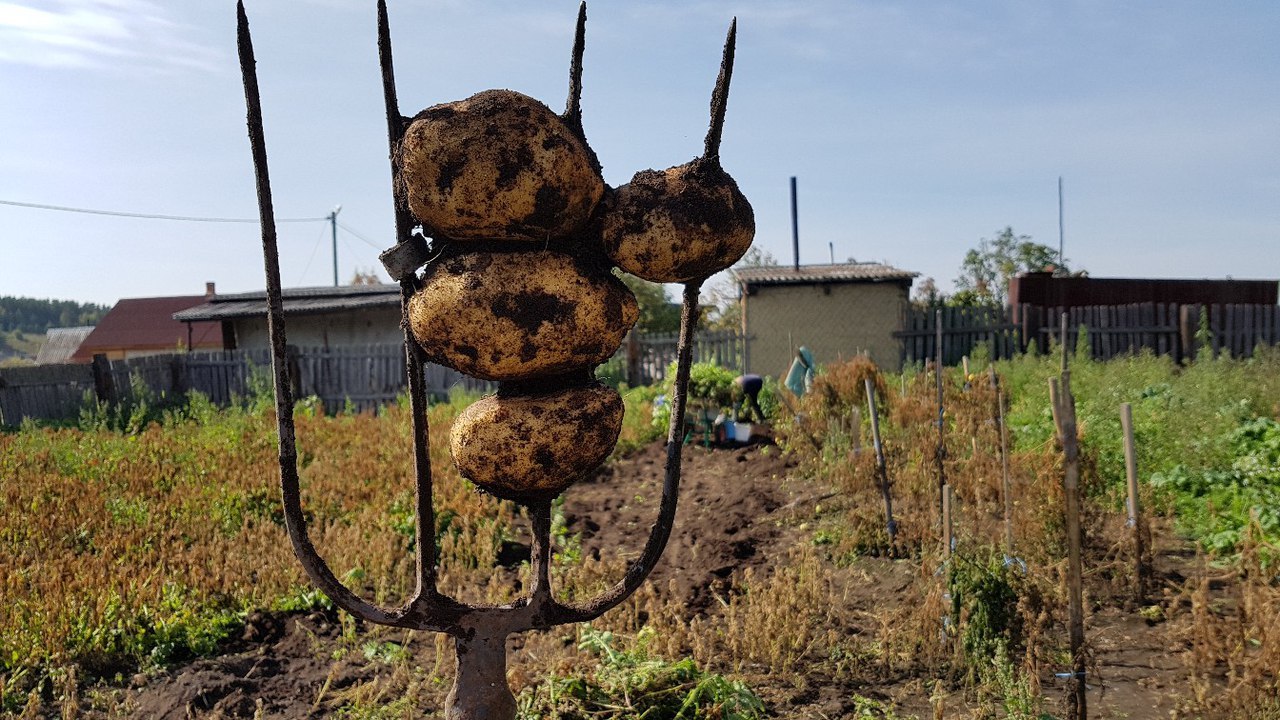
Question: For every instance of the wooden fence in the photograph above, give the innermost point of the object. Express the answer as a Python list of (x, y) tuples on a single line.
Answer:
[(365, 377), (359, 377), (1178, 331), (964, 329), (647, 356)]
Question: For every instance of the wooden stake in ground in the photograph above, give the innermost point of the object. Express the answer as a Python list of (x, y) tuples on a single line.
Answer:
[(855, 433), (948, 536), (882, 473), (941, 451), (1005, 485), (1135, 521), (1076, 703), (1055, 402)]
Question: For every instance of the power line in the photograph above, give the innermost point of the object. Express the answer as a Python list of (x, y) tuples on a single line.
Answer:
[(366, 240), (150, 216)]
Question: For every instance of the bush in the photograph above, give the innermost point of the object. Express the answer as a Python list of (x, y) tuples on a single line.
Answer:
[(711, 389)]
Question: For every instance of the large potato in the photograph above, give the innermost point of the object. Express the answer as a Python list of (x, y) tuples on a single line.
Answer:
[(680, 224), (517, 315), (498, 165), (527, 446)]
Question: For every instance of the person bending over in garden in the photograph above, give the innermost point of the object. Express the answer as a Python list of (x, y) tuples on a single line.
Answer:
[(746, 390)]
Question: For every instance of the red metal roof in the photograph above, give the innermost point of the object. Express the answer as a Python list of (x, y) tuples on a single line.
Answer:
[(147, 324)]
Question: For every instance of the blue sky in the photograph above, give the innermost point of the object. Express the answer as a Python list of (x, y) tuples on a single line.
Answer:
[(915, 129)]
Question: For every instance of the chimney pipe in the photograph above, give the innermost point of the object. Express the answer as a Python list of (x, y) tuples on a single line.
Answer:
[(209, 290), (795, 226)]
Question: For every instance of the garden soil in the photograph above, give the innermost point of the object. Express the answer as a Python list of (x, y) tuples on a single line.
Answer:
[(739, 507)]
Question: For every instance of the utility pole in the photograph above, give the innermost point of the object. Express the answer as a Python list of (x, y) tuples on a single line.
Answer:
[(333, 231)]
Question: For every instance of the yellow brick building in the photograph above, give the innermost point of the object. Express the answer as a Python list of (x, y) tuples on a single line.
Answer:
[(837, 311)]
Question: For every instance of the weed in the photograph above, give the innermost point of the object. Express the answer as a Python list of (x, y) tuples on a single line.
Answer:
[(630, 683)]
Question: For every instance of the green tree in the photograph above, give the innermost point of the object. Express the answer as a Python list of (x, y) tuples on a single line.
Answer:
[(36, 316), (722, 294), (986, 270), (658, 314)]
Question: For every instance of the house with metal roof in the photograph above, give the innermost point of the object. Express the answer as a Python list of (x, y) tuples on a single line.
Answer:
[(315, 317), (137, 327), (837, 311), (61, 343)]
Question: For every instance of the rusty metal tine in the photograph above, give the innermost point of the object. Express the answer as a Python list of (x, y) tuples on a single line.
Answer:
[(319, 573), (396, 124), (573, 108), (540, 552), (661, 531), (720, 96), (395, 121), (424, 507)]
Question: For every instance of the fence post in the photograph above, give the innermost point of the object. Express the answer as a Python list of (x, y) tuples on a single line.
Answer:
[(104, 385), (1188, 325), (178, 379), (294, 371), (633, 359)]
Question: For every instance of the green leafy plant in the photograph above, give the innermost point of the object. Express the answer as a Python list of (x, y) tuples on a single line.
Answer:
[(1216, 505)]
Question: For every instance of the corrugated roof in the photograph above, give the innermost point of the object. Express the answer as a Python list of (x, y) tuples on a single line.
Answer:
[(148, 324), (841, 273), (61, 343), (297, 301)]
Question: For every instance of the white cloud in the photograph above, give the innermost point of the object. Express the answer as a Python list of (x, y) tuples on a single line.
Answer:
[(98, 34)]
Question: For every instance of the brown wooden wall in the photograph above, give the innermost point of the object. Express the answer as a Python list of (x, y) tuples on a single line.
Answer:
[(1044, 290)]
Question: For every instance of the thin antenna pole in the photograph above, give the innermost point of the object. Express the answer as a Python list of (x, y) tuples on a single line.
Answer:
[(795, 225), (1060, 233)]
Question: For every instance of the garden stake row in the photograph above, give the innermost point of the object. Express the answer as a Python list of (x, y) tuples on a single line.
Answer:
[(626, 231)]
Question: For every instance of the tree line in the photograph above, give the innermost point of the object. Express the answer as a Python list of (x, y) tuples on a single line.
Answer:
[(37, 316)]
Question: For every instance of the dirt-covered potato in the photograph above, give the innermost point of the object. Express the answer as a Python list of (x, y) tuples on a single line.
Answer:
[(498, 165), (517, 315), (521, 446), (683, 223)]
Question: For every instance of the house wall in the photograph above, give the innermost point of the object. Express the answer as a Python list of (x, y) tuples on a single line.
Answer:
[(368, 326), (833, 320)]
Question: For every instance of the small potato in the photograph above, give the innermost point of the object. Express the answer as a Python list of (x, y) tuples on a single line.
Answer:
[(536, 445), (518, 315), (680, 224), (498, 165)]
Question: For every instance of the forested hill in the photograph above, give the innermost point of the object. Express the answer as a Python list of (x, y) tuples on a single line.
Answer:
[(36, 316)]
